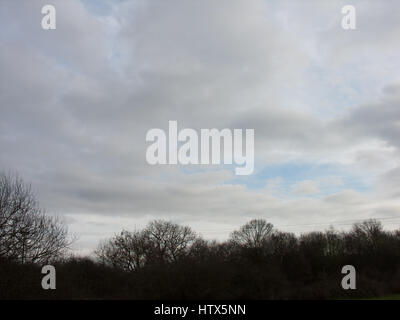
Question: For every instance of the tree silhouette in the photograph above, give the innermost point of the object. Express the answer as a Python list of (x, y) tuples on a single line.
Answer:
[(27, 234), (253, 234)]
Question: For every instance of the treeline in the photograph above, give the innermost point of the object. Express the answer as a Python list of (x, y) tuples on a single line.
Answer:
[(168, 261)]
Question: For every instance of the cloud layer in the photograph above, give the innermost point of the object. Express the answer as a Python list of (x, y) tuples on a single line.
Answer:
[(76, 103)]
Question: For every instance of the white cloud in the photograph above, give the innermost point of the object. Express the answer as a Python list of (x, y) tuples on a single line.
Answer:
[(305, 187)]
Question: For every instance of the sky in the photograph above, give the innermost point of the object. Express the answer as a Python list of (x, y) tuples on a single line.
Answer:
[(76, 104)]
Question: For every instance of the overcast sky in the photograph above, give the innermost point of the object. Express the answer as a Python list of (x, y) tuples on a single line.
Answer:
[(76, 104)]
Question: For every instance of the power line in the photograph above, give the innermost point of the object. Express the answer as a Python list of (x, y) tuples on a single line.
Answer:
[(388, 221)]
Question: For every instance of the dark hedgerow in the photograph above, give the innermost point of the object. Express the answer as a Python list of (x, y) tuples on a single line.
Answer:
[(172, 262)]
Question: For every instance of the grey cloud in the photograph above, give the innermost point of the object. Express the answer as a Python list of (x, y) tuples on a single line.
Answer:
[(380, 120), (76, 104)]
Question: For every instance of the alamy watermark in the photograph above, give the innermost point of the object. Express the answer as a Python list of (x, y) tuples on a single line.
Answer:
[(183, 147), (349, 18), (349, 280), (49, 280), (348, 21), (49, 19)]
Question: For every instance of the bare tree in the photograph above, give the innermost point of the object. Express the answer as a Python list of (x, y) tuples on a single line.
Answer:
[(369, 229), (364, 237), (169, 241), (283, 243), (334, 242), (27, 234), (160, 241), (253, 234), (127, 250)]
